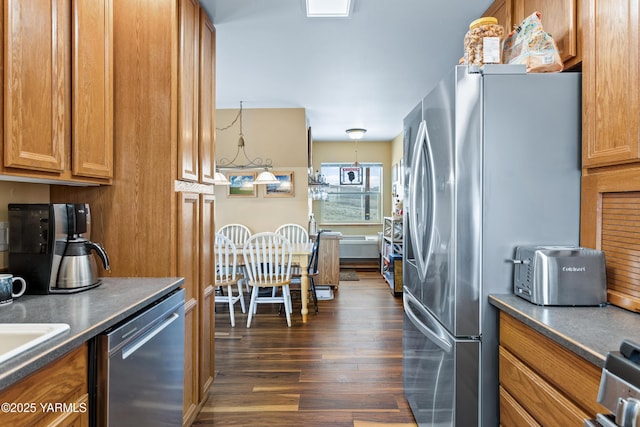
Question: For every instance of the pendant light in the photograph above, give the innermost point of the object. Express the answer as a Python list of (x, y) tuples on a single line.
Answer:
[(242, 162)]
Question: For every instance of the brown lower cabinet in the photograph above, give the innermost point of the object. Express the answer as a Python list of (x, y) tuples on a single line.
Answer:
[(63, 382), (541, 382)]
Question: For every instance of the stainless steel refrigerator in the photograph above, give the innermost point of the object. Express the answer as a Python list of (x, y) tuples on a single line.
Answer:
[(492, 161)]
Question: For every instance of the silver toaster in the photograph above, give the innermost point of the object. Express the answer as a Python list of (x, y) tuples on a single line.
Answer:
[(560, 275)]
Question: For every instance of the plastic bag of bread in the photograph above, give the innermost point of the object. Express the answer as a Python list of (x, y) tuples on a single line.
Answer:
[(529, 44)]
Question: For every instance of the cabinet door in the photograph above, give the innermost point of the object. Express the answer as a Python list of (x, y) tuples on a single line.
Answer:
[(207, 294), (188, 67), (502, 11), (37, 84), (608, 221), (188, 260), (92, 141), (559, 18), (207, 98), (610, 85)]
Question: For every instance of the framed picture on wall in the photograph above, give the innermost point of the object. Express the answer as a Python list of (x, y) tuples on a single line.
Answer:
[(350, 175), (241, 184), (284, 188)]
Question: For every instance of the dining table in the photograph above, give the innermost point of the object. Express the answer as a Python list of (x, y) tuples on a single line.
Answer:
[(300, 255)]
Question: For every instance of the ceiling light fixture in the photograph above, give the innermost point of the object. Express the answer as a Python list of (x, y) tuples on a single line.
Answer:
[(356, 133), (241, 161), (328, 8)]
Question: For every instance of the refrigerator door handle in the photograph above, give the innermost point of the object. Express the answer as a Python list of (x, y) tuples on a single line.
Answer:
[(439, 339), (416, 227)]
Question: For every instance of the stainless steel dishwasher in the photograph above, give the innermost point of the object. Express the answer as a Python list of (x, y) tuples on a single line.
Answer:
[(140, 367)]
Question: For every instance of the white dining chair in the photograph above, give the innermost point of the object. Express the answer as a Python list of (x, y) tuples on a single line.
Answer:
[(267, 257), (238, 234), (226, 275), (295, 233)]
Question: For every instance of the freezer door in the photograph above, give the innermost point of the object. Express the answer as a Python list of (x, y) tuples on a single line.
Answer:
[(452, 302), (440, 374)]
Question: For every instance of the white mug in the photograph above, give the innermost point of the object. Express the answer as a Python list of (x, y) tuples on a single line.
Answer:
[(6, 288)]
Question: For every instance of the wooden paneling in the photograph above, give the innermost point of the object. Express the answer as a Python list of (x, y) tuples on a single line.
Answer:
[(328, 261), (512, 414), (559, 18), (188, 90), (609, 221), (502, 11), (63, 381), (341, 368), (207, 99), (92, 138), (610, 85), (37, 84), (620, 239), (564, 371), (542, 401), (207, 293)]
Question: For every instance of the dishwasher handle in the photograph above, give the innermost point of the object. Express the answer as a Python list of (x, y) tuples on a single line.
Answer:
[(134, 346)]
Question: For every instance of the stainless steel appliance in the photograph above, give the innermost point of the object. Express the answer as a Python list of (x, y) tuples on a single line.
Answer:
[(50, 247), (492, 161), (560, 275), (140, 367), (620, 388)]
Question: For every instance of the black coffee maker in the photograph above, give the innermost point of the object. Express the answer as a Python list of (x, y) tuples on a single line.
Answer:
[(49, 247)]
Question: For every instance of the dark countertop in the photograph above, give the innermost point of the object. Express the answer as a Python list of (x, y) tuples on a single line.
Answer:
[(88, 313), (590, 332)]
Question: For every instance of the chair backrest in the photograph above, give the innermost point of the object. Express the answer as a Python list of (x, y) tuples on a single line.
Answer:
[(294, 233), (226, 257), (313, 259), (267, 257), (237, 233)]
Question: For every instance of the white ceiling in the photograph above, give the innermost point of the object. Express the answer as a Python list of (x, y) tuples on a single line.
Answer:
[(367, 71)]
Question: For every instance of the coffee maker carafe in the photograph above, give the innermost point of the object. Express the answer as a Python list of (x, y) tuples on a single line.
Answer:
[(50, 247)]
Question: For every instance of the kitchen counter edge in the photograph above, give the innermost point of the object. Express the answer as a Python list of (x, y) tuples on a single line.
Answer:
[(88, 314), (589, 332)]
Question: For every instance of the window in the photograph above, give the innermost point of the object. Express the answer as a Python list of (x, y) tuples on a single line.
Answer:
[(353, 196)]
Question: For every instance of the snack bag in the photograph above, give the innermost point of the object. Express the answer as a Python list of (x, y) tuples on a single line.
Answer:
[(529, 44)]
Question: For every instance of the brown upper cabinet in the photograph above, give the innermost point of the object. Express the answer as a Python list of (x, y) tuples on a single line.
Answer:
[(58, 90), (502, 11), (196, 81), (610, 95), (207, 98), (560, 18)]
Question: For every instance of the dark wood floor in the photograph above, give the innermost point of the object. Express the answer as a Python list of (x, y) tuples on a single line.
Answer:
[(342, 368)]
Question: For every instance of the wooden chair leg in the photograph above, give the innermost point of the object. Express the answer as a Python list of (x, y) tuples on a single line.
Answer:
[(252, 305), (287, 303), (230, 299)]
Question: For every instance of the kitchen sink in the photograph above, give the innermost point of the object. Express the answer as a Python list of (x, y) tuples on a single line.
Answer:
[(16, 338)]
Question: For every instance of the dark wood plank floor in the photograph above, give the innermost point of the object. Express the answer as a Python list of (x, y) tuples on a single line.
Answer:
[(342, 368)]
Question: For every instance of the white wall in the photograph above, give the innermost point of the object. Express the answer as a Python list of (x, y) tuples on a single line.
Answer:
[(281, 135)]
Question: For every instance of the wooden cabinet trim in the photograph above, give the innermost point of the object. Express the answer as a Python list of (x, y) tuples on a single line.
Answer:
[(188, 89), (207, 95), (544, 402), (563, 369), (37, 111), (92, 141), (619, 183), (64, 380), (611, 90)]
